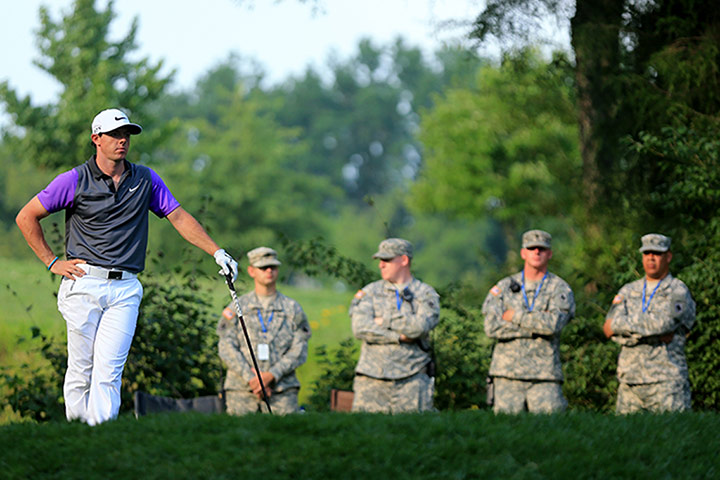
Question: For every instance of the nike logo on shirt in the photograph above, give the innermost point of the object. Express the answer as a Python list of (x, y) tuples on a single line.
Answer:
[(134, 188)]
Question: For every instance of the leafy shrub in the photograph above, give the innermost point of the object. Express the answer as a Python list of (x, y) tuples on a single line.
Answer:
[(174, 353), (315, 257), (338, 371), (36, 391), (462, 351), (589, 364), (703, 279)]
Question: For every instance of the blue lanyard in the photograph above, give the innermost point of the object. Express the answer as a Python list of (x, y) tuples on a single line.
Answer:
[(398, 299), (264, 326), (537, 291), (646, 305)]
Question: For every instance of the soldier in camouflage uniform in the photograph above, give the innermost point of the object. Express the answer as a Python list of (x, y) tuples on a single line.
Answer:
[(525, 313), (393, 318), (651, 318), (279, 333)]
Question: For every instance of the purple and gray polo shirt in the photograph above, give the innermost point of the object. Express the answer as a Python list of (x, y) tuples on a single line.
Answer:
[(103, 226)]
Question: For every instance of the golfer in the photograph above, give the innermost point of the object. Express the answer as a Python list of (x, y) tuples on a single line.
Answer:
[(106, 201)]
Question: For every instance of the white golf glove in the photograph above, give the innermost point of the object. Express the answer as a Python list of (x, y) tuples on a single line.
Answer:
[(227, 264)]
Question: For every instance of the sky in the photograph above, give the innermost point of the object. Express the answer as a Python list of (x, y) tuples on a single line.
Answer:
[(193, 36)]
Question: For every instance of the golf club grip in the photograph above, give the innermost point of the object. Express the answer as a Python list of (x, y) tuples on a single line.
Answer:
[(233, 294)]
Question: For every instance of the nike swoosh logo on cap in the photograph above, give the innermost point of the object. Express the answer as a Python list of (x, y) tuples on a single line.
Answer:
[(120, 118)]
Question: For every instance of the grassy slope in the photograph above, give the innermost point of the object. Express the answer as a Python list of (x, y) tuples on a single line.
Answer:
[(470, 444), (27, 298), (327, 313)]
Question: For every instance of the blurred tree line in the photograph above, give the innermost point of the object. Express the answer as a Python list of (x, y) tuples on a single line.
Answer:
[(458, 153), (329, 154)]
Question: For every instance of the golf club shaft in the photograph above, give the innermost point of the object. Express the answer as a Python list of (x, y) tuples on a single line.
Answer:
[(233, 294)]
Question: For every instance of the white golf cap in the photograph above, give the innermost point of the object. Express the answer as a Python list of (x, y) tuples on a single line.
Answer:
[(112, 118)]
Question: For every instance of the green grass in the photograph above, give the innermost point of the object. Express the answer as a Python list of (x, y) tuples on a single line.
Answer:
[(28, 299), (327, 313), (462, 445)]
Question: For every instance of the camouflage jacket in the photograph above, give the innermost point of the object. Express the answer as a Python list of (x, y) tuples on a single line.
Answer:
[(653, 343), (287, 337), (382, 355), (527, 347)]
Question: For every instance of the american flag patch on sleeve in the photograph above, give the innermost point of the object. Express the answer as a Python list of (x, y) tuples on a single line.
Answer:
[(495, 290), (228, 313)]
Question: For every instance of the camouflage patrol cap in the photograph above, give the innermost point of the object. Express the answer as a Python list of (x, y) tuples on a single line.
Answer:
[(263, 257), (654, 242), (536, 238), (393, 247)]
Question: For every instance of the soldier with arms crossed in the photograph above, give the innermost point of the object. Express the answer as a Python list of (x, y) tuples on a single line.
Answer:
[(525, 314), (393, 317), (279, 333), (651, 318), (106, 202)]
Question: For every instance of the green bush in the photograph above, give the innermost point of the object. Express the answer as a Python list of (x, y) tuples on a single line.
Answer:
[(316, 258), (35, 392), (589, 364), (703, 279), (462, 351), (338, 372), (174, 353)]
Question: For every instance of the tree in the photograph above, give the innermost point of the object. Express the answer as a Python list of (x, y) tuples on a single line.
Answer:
[(361, 123), (647, 82), (621, 49), (95, 74), (237, 166), (505, 149)]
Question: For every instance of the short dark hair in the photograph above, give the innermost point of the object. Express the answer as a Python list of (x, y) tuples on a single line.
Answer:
[(94, 145)]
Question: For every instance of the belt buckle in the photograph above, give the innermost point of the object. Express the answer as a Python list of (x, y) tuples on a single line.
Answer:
[(114, 275)]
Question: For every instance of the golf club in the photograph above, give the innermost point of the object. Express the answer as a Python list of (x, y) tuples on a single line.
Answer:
[(233, 294)]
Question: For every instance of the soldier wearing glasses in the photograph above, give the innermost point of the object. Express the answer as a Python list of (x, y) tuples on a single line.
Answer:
[(393, 317), (279, 333), (650, 318), (525, 314)]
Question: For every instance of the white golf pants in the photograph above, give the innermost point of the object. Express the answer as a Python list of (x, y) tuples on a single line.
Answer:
[(101, 316)]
